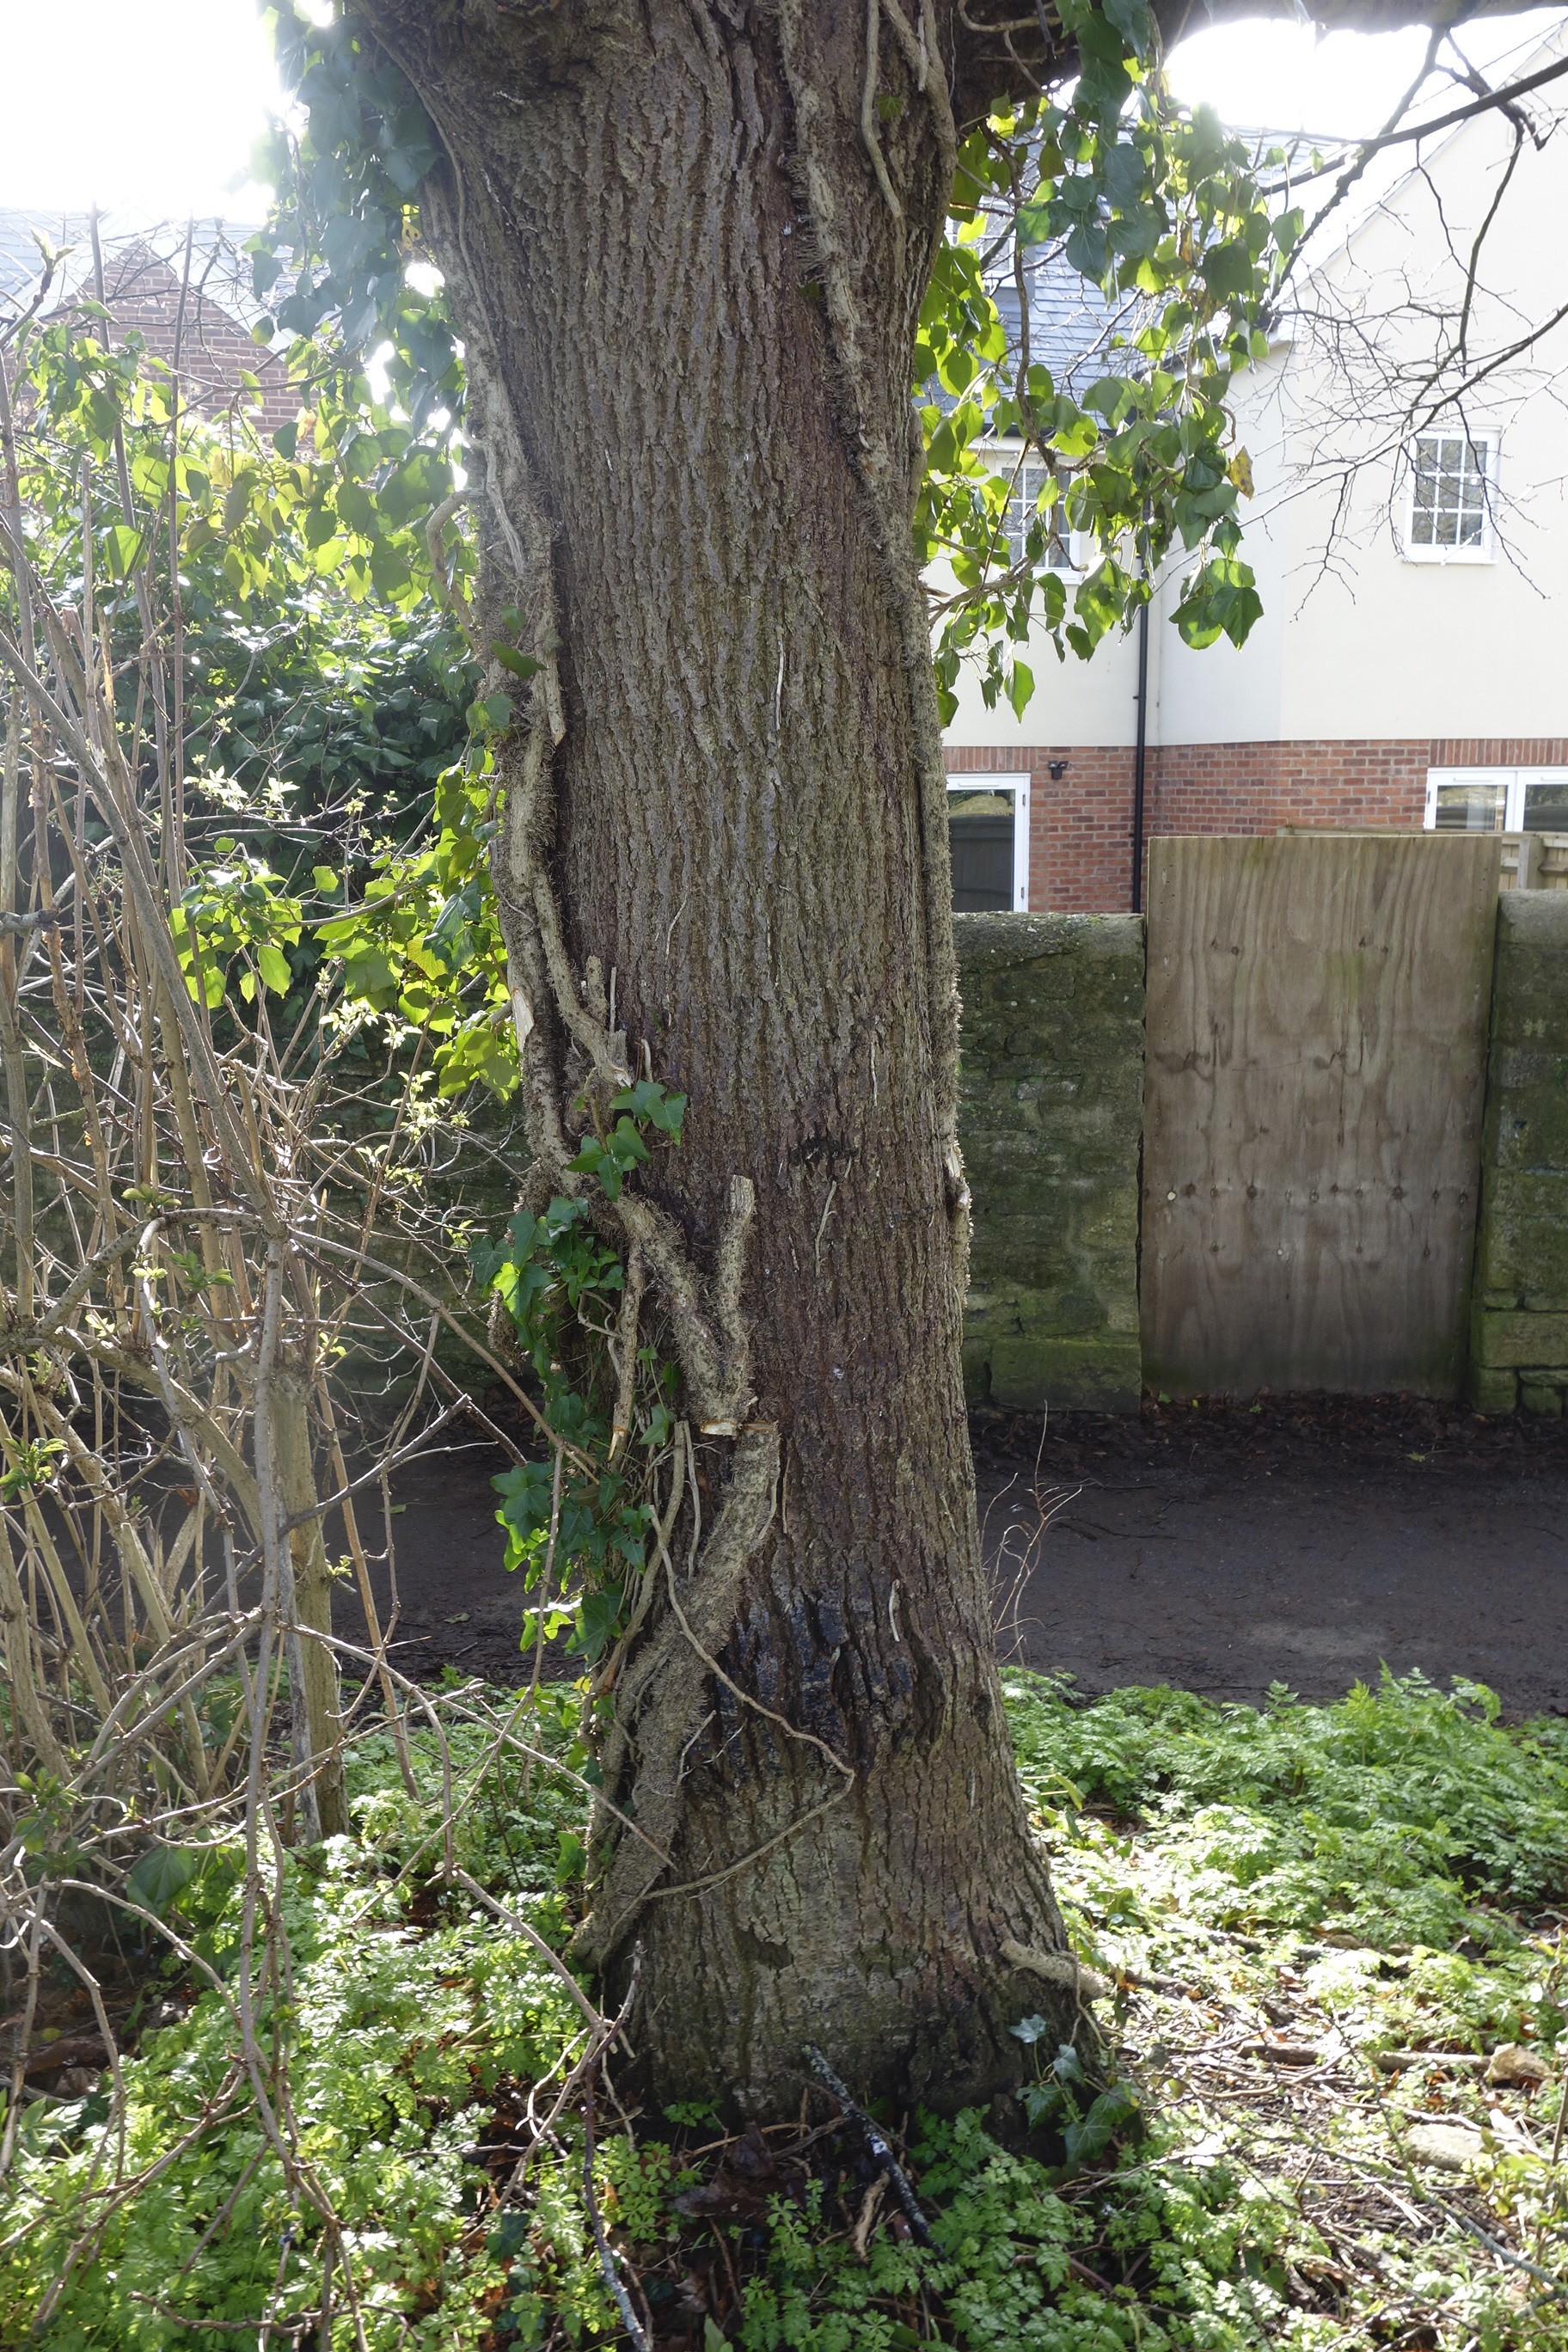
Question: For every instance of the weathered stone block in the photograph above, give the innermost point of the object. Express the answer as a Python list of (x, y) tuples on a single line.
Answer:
[(1524, 1239), (1532, 1122), (1532, 969), (1050, 1120), (1031, 1371), (1493, 1390), (1519, 1323), (1536, 1396), (1522, 1339)]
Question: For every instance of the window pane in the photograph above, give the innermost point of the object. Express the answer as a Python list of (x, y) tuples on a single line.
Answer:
[(1449, 492), (1472, 808), (980, 835), (1546, 807), (1024, 513)]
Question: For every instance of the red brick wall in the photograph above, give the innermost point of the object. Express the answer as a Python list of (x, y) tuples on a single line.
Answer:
[(1080, 846), (1080, 824), (1259, 787), (143, 296)]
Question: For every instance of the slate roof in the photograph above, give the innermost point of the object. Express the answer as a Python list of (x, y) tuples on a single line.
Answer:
[(1072, 321), (20, 261), (218, 268)]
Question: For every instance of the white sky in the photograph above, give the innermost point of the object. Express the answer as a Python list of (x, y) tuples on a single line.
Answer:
[(149, 105), (152, 106), (1287, 77)]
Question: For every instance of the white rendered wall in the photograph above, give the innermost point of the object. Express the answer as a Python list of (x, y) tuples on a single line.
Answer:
[(1356, 641)]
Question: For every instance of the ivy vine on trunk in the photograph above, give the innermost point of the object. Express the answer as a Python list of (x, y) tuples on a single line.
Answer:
[(688, 316), (689, 246)]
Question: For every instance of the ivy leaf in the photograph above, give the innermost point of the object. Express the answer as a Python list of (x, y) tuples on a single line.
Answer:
[(597, 1618), (1041, 2102), (1132, 21), (121, 546), (1035, 220), (521, 666), (1089, 2139), (1228, 270)]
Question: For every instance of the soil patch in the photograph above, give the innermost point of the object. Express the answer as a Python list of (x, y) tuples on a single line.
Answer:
[(1304, 1540), (1220, 1546)]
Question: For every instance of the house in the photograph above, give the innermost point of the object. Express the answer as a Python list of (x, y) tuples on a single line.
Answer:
[(1409, 533), (185, 292)]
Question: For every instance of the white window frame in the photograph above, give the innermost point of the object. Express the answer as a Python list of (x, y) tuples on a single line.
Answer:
[(1012, 462), (1516, 783), (1018, 785), (1488, 441)]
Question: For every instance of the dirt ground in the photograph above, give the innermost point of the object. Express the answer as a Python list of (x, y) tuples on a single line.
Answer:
[(1218, 1546)]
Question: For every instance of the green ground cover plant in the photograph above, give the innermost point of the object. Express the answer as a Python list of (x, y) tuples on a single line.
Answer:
[(1332, 1943)]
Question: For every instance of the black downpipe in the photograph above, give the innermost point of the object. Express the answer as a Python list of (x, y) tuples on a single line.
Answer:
[(1140, 758)]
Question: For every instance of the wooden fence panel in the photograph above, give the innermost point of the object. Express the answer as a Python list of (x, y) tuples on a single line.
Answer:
[(1317, 1027)]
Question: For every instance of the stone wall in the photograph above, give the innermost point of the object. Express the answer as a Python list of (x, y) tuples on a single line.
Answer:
[(1051, 1124), (1519, 1325)]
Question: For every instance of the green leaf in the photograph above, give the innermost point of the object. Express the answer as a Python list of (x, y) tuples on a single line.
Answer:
[(120, 547), (1041, 2102), (1228, 270), (521, 666), (1132, 21), (273, 966), (163, 1873), (1089, 2139)]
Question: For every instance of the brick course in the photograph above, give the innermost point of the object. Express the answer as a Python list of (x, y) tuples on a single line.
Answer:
[(1080, 841), (142, 294), (1081, 824)]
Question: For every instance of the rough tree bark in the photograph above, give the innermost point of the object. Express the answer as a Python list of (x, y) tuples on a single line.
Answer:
[(687, 252), (687, 242)]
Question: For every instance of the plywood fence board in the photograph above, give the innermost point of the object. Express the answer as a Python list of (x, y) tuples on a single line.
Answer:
[(1316, 1025)]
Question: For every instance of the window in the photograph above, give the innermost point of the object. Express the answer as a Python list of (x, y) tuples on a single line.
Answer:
[(1543, 800), (1496, 800), (1453, 483), (1472, 800), (988, 832), (1027, 480)]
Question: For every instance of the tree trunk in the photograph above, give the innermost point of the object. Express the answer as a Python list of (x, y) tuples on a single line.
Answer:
[(689, 307)]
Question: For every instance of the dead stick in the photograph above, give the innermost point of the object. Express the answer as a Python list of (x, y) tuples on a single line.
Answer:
[(876, 2141)]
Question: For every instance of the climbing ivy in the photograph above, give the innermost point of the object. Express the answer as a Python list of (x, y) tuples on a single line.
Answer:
[(1166, 218), (578, 1524)]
